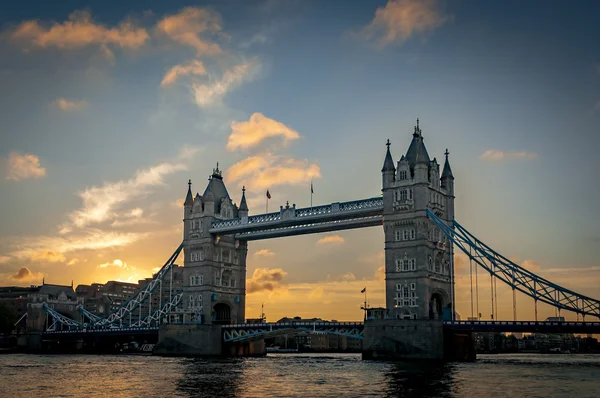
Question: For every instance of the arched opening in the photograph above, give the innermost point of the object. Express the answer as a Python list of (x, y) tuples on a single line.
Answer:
[(436, 305), (222, 314)]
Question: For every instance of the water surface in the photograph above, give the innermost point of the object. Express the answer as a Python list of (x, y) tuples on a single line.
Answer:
[(297, 375)]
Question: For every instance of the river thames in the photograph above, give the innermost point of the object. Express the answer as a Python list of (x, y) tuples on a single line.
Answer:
[(297, 375)]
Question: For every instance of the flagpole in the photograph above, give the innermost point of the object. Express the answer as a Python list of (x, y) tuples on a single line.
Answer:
[(267, 204)]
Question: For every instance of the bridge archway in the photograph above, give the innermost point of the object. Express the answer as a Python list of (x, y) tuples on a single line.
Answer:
[(437, 302), (222, 313)]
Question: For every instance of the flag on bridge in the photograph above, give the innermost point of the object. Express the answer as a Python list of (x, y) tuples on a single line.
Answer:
[(268, 194), (364, 290), (311, 187)]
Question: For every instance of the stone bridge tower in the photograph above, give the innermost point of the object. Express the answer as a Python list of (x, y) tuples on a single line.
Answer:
[(214, 269), (418, 257)]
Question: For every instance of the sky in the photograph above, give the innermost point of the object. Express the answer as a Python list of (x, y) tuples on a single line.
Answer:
[(108, 108)]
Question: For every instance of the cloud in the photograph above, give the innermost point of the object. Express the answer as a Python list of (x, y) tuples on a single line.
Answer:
[(193, 67), (73, 261), (187, 26), (348, 277), (212, 93), (494, 155), (331, 239), (116, 263), (48, 256), (266, 171), (100, 203), (39, 247), (69, 105), (264, 253), (316, 293), (401, 19), (20, 167), (258, 128), (80, 31), (380, 273), (531, 265), (597, 106), (4, 259), (265, 279), (25, 275)]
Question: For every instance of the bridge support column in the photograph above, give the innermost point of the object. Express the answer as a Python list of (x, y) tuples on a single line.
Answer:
[(189, 340), (415, 339), (459, 346), (246, 349)]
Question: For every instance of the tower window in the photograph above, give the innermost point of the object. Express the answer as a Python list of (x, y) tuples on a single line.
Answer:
[(403, 175), (403, 195)]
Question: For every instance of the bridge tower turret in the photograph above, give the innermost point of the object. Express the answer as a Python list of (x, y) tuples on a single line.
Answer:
[(417, 255), (214, 272)]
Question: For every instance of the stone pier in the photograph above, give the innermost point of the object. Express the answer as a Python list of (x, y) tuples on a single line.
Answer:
[(202, 340), (415, 339)]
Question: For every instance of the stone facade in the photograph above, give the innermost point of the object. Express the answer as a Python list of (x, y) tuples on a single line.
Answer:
[(214, 272), (418, 256)]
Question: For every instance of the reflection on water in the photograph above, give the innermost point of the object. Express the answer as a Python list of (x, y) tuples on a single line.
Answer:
[(419, 380), (297, 375)]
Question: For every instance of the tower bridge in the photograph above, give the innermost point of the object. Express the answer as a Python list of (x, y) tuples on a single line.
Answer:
[(416, 211)]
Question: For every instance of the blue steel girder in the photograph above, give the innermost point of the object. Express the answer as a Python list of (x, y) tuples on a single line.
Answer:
[(58, 318), (245, 332), (134, 302), (164, 310), (524, 326), (514, 275), (292, 221)]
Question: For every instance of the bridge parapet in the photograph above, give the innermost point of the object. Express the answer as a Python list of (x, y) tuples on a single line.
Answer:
[(292, 216)]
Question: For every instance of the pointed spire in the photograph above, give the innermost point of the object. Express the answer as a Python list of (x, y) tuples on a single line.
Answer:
[(243, 204), (189, 200), (388, 163), (447, 172)]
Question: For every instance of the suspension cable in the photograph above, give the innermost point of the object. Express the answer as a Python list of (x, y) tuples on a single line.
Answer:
[(492, 292), (477, 293), (496, 295), (471, 280)]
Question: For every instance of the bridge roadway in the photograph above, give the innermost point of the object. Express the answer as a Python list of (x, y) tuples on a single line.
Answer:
[(250, 331), (291, 221)]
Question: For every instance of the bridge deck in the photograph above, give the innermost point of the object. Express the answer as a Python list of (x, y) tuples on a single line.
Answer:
[(291, 221)]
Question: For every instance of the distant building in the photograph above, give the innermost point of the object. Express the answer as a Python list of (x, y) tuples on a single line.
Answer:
[(30, 300)]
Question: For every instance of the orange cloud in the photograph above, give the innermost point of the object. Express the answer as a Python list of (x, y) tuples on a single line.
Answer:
[(209, 94), (80, 31), (54, 257), (331, 239), (493, 155), (531, 265), (258, 128), (116, 263), (39, 247), (401, 19), (20, 167), (265, 171), (4, 259), (100, 203), (187, 26), (70, 105), (264, 253), (265, 279), (193, 67), (25, 275)]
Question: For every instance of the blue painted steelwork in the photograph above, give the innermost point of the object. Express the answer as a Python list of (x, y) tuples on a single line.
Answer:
[(111, 330), (515, 276), (59, 319), (291, 221), (524, 326), (250, 331), (134, 302), (119, 315)]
